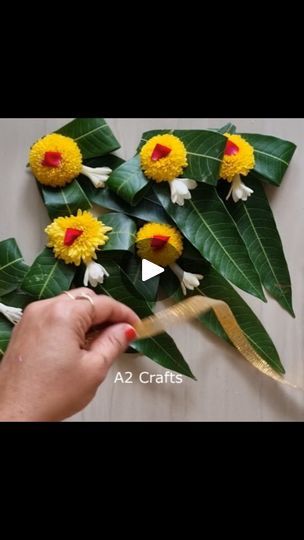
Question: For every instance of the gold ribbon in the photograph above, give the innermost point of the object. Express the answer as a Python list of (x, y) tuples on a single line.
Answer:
[(197, 305)]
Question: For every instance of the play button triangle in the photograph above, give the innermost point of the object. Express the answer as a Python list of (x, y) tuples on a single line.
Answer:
[(149, 270)]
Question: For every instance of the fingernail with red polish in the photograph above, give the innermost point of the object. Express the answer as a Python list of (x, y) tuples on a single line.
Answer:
[(130, 334)]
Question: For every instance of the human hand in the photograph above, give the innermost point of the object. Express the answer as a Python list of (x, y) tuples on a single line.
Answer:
[(49, 372)]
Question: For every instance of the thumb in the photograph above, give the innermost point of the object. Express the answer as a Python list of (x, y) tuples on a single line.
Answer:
[(113, 341)]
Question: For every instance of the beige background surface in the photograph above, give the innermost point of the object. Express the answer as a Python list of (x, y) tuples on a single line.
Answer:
[(228, 388)]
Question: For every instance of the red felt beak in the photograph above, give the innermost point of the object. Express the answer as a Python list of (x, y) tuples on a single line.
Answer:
[(158, 241), (231, 149), (160, 151), (71, 235), (52, 159)]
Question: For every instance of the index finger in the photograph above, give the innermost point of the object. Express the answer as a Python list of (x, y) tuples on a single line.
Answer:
[(102, 308), (109, 310)]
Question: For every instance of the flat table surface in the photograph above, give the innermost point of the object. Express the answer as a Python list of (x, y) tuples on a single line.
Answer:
[(228, 388)]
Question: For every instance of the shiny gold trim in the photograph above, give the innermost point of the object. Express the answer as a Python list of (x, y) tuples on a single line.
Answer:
[(192, 308)]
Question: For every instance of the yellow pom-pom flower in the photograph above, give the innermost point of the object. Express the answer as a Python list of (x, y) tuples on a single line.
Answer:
[(238, 158), (55, 160), (75, 239), (163, 158), (159, 243)]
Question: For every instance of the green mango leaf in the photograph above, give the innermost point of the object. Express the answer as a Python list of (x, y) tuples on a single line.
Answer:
[(148, 289), (16, 299), (256, 225), (110, 160), (48, 276), (122, 237), (129, 182), (189, 252), (161, 348), (206, 223), (227, 128), (12, 266), (204, 152), (65, 201), (215, 286), (97, 195), (148, 209), (6, 329), (272, 156), (93, 136)]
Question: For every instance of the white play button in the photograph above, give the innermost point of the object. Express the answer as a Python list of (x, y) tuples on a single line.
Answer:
[(149, 270)]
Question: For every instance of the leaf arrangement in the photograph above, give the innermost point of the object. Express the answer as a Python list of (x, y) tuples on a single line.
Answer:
[(230, 244)]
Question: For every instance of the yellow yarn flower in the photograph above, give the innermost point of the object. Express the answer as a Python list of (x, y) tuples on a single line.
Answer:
[(55, 160), (163, 157), (159, 243), (76, 238), (238, 157)]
